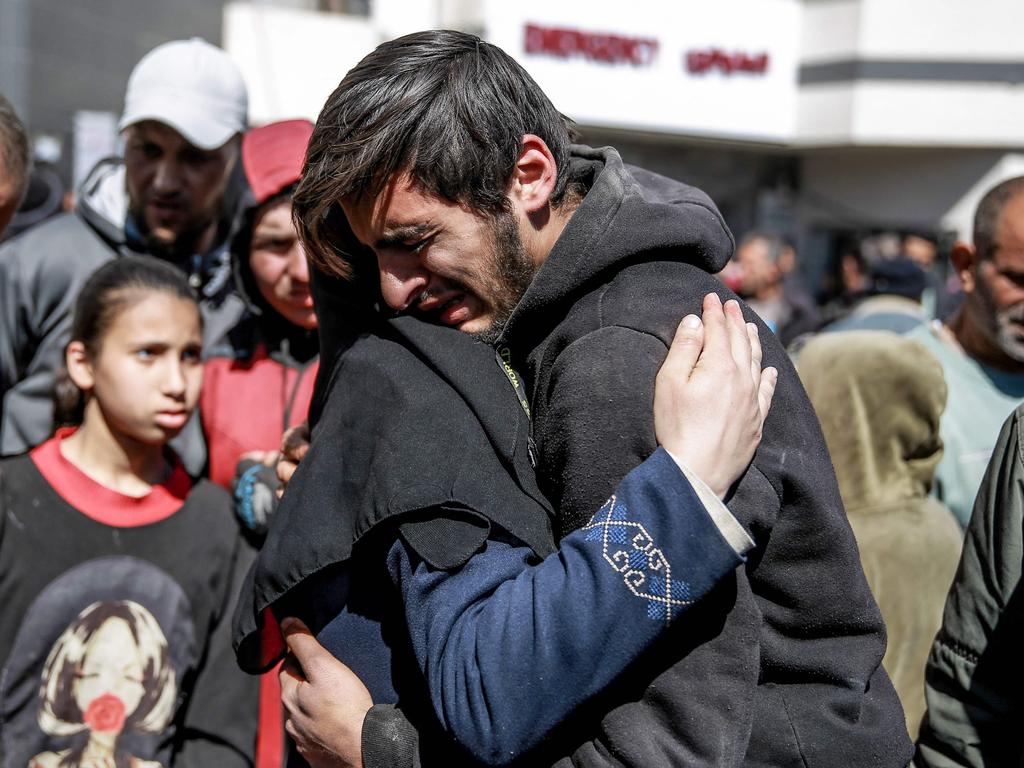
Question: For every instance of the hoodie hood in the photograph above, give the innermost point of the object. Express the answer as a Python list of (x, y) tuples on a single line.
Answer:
[(879, 397), (627, 215), (103, 200), (272, 158)]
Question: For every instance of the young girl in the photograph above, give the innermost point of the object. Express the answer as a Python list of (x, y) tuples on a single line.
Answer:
[(117, 569)]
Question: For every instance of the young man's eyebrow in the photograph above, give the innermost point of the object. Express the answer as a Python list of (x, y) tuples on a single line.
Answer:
[(401, 234)]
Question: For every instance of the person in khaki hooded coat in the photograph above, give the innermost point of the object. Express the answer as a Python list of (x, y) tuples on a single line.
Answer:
[(879, 397)]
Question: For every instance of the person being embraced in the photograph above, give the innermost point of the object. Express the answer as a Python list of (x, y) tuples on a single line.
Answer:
[(419, 472)]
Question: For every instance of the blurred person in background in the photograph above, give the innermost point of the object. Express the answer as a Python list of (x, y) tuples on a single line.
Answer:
[(973, 675), (943, 294), (845, 283), (769, 281), (171, 197), (892, 301), (879, 397), (981, 348), (15, 162)]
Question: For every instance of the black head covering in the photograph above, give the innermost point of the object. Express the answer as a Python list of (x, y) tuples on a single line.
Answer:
[(415, 426)]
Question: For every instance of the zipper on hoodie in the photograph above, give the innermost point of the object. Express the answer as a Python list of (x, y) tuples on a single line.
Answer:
[(504, 358)]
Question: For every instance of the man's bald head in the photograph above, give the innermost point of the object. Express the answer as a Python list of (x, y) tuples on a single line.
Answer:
[(989, 213)]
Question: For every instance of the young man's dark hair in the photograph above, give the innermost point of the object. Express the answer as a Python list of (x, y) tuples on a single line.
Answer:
[(453, 119), (986, 217)]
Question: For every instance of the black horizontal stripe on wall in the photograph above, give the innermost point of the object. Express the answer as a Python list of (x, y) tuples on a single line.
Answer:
[(883, 69)]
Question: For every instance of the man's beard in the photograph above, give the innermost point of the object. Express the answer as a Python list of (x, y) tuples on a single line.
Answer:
[(510, 270), (176, 248), (1003, 326)]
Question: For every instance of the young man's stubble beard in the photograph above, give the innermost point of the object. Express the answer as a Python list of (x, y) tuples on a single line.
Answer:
[(510, 270)]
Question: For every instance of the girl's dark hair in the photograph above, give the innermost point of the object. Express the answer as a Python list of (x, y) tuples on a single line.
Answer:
[(113, 288)]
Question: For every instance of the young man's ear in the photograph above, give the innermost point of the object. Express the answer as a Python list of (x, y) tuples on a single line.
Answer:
[(79, 368), (534, 175), (964, 258)]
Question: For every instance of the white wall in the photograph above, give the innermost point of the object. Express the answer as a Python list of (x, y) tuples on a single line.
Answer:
[(292, 60), (664, 95), (986, 30), (829, 31)]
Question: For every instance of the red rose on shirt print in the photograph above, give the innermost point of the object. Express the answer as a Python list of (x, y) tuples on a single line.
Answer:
[(105, 713)]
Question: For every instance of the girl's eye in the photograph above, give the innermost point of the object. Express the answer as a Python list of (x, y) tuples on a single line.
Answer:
[(192, 355), (145, 354)]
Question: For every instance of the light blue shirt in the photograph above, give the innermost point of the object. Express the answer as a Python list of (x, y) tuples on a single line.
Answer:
[(979, 399)]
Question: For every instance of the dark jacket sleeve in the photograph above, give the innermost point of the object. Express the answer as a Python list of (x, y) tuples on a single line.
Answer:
[(219, 727), (972, 681), (41, 273), (498, 625), (389, 740)]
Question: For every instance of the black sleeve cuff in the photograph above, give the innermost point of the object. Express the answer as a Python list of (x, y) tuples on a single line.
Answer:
[(389, 739)]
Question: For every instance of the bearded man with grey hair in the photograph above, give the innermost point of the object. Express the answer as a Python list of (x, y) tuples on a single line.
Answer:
[(982, 346)]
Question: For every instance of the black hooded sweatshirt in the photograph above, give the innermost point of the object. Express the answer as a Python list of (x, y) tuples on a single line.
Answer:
[(781, 664)]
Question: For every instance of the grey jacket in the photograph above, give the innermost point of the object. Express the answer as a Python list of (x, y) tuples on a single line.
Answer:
[(41, 274), (973, 678)]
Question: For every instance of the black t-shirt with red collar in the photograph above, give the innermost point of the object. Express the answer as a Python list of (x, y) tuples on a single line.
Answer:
[(114, 619)]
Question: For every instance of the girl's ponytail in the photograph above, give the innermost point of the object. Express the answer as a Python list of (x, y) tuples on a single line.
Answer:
[(68, 401)]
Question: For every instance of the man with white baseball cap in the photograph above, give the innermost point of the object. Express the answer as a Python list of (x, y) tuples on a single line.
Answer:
[(190, 86), (172, 196)]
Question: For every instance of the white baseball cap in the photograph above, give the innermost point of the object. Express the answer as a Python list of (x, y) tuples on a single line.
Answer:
[(191, 86)]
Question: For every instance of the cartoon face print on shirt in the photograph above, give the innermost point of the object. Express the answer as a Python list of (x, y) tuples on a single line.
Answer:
[(103, 688), (107, 673)]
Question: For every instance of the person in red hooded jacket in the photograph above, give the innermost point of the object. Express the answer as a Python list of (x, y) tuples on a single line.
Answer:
[(263, 386)]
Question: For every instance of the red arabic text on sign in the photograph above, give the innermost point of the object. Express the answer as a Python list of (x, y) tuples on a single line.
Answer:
[(700, 62), (606, 48)]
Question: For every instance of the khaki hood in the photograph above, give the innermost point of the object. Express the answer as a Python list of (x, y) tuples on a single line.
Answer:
[(879, 397)]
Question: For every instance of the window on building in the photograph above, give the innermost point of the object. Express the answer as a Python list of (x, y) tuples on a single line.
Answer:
[(350, 7)]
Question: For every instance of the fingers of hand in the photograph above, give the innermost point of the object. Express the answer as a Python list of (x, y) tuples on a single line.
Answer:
[(686, 346), (716, 335), (285, 470), (756, 352), (295, 442), (307, 651), (739, 340), (766, 391)]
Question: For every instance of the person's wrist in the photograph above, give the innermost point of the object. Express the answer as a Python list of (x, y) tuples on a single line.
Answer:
[(699, 469)]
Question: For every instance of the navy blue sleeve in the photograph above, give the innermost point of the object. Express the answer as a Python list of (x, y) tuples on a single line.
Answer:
[(557, 632)]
